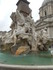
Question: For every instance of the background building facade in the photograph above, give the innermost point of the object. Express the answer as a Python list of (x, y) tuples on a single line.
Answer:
[(46, 18)]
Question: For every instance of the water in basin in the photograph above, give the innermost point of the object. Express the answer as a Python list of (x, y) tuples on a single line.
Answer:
[(29, 59)]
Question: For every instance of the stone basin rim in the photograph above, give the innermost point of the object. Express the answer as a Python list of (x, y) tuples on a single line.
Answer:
[(27, 66)]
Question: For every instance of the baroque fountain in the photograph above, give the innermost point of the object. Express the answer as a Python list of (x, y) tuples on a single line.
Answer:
[(22, 45)]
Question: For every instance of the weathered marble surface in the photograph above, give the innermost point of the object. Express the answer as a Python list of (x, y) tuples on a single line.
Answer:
[(23, 33)]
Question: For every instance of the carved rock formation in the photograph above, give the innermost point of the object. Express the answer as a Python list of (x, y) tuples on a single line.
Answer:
[(23, 35)]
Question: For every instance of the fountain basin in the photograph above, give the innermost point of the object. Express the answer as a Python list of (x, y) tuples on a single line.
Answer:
[(21, 67), (26, 62)]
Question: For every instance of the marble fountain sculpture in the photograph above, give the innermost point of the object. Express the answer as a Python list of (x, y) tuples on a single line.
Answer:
[(23, 42), (23, 38), (25, 35)]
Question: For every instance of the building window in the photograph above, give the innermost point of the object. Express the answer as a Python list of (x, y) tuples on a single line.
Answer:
[(45, 13)]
